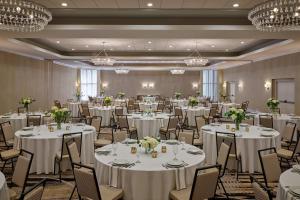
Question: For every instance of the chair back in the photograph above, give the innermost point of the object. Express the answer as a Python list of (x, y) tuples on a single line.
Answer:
[(266, 121), (200, 121), (7, 131), (96, 123), (215, 105), (249, 121), (205, 182), (172, 124), (130, 102), (136, 106), (35, 192), (57, 103), (130, 108), (227, 138), (47, 119), (160, 107), (187, 135), (122, 122), (297, 147), (119, 135), (178, 112), (288, 131), (73, 152), (223, 154), (270, 165), (86, 182), (68, 138), (34, 120), (213, 112), (119, 111), (22, 169)]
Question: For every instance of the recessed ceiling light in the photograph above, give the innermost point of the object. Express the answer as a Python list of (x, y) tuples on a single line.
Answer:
[(64, 4), (57, 42), (275, 10), (73, 49), (226, 50), (87, 46), (149, 4), (188, 49), (129, 46), (236, 5), (170, 46), (242, 42), (213, 46), (149, 42), (149, 49)]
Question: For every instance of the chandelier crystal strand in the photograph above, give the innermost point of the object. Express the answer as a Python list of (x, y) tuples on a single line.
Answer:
[(102, 58), (196, 59), (276, 15), (23, 16)]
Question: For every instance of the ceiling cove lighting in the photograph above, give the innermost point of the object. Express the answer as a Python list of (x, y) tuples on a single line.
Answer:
[(102, 58), (23, 16), (276, 15), (64, 4), (122, 71), (149, 4), (177, 71), (196, 59), (236, 5)]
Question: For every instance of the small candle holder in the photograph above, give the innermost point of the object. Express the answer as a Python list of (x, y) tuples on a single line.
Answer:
[(227, 126), (232, 129), (164, 149), (68, 128), (154, 154), (247, 129), (51, 129), (133, 150)]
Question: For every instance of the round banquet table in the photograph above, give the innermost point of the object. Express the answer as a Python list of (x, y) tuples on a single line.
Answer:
[(147, 180), (73, 107), (45, 145), (148, 125), (18, 121), (248, 144), (148, 106), (4, 191), (287, 179), (149, 98), (195, 111), (180, 102), (104, 111)]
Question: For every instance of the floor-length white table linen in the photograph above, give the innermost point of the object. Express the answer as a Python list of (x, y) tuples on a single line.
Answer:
[(248, 144), (288, 179), (4, 191), (105, 112), (147, 180), (148, 125), (195, 111), (45, 144), (73, 107), (144, 106)]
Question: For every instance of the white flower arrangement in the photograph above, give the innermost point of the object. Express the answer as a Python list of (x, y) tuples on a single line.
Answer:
[(107, 101), (273, 104), (149, 143), (177, 95), (237, 115), (59, 115), (193, 101)]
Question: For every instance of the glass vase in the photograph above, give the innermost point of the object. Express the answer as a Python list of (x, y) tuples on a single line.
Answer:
[(58, 125)]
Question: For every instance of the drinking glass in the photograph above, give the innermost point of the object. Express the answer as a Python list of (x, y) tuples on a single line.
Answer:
[(114, 148), (182, 139), (175, 151)]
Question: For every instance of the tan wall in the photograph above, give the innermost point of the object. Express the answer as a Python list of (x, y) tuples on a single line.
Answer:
[(44, 81), (165, 83), (253, 77)]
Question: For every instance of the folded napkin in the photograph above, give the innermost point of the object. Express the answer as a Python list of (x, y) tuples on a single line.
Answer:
[(162, 122), (180, 176), (113, 174)]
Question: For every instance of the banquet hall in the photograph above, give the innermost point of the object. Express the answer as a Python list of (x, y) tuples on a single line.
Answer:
[(149, 99)]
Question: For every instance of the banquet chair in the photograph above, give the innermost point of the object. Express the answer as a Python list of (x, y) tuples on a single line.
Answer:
[(130, 109), (34, 120), (187, 136), (234, 156), (168, 105), (204, 185), (266, 121), (35, 192), (245, 105), (47, 119), (288, 156), (182, 119), (261, 192), (215, 105), (21, 110), (89, 188), (7, 134), (20, 175), (57, 103), (160, 107), (119, 135), (212, 114), (136, 107), (288, 134), (122, 122), (249, 120), (85, 112), (104, 136), (62, 155), (119, 110), (270, 166), (200, 121), (171, 128)]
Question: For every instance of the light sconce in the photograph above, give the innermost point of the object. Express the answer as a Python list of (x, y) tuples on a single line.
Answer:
[(151, 85), (104, 85), (268, 85), (195, 85), (241, 85), (77, 84), (224, 84), (148, 85)]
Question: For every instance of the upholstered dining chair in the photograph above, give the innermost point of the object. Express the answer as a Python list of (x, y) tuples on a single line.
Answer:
[(288, 156), (119, 110), (270, 166), (160, 107), (266, 121), (57, 103), (62, 155), (89, 188), (212, 115), (104, 136), (234, 156), (47, 119), (249, 120), (85, 112), (261, 192), (20, 175), (122, 122), (136, 107), (204, 185), (21, 110), (34, 120), (7, 134), (287, 135), (119, 135), (187, 135), (165, 132), (35, 192)]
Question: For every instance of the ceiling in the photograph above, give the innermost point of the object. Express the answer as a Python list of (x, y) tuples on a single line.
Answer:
[(158, 38)]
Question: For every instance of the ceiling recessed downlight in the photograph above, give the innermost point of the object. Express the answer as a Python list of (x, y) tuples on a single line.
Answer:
[(236, 5), (149, 4), (64, 4)]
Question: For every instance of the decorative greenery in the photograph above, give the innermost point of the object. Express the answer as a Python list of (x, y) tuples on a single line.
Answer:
[(273, 104), (193, 101), (177, 95), (121, 95), (26, 101), (237, 115), (223, 96), (78, 94), (59, 115), (149, 143), (102, 91), (107, 101), (198, 93)]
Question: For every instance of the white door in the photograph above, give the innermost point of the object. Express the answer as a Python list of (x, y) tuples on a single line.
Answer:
[(232, 87), (285, 93)]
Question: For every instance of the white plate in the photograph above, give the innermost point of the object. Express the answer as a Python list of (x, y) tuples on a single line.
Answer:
[(267, 129), (267, 134), (295, 190), (244, 124), (26, 134), (104, 151), (195, 151), (121, 162), (175, 163), (172, 142), (129, 141), (296, 167), (27, 128)]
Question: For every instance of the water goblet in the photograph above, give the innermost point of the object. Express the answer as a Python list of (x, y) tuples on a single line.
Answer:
[(175, 151), (114, 148), (182, 143)]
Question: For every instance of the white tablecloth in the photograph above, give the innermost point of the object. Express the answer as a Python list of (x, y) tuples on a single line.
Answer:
[(287, 179), (196, 111), (148, 125), (73, 107), (180, 102), (17, 121), (149, 99), (4, 191), (118, 102), (148, 180), (248, 145), (148, 106), (45, 145)]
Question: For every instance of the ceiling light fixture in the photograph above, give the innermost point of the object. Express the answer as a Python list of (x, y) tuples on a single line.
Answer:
[(177, 71), (213, 46), (149, 4), (170, 46), (242, 42), (276, 15), (196, 59), (73, 49), (64, 4), (149, 42), (57, 42), (87, 46), (236, 5), (122, 71), (23, 16), (102, 58)]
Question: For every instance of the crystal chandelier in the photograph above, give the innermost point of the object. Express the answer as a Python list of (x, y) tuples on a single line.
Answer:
[(102, 58), (23, 16), (276, 15), (177, 71), (121, 71), (196, 59)]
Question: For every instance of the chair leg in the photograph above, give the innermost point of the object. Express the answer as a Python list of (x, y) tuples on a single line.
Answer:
[(72, 192), (223, 188), (3, 167), (59, 171)]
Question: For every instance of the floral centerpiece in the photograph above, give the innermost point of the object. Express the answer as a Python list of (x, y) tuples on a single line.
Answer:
[(149, 144), (177, 95), (273, 104), (237, 115), (121, 95), (102, 92), (26, 101), (198, 93), (223, 96), (193, 101), (59, 115), (78, 95), (107, 101)]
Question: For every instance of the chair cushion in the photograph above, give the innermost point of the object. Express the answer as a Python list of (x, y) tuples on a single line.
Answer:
[(14, 193), (58, 156), (285, 153), (106, 131), (8, 154), (132, 129), (198, 142), (180, 194), (110, 193), (102, 142), (163, 129)]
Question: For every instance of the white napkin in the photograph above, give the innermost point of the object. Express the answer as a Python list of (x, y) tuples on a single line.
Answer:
[(162, 122), (133, 123), (113, 174), (180, 175)]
